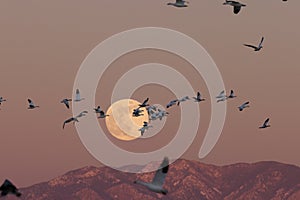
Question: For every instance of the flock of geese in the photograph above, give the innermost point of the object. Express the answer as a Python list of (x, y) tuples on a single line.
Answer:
[(153, 112)]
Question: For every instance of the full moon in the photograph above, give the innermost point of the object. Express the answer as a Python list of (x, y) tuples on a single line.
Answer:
[(120, 122)]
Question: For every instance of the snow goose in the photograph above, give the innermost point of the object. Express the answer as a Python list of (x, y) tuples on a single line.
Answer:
[(159, 178), (256, 48)]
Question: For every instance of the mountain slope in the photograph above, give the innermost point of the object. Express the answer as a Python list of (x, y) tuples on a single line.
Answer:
[(186, 180)]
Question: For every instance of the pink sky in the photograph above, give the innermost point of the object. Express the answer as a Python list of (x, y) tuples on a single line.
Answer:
[(43, 44)]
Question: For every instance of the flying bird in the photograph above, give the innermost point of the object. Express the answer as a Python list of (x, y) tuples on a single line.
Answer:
[(72, 119), (144, 128), (243, 106), (8, 188), (198, 98), (171, 103), (179, 3), (256, 48), (102, 114), (159, 178), (137, 112), (75, 119), (31, 104), (144, 104), (236, 5), (153, 116), (182, 100), (221, 96), (77, 96), (2, 100), (265, 124), (151, 109), (66, 102), (161, 114), (231, 96)]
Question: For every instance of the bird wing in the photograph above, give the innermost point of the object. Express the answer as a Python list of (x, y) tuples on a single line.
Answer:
[(67, 104), (262, 39), (144, 103), (31, 104), (236, 9), (266, 122), (64, 125), (246, 103), (249, 45), (67, 121), (77, 97), (161, 173), (221, 94)]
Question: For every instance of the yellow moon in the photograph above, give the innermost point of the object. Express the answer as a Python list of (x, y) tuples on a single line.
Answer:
[(120, 122)]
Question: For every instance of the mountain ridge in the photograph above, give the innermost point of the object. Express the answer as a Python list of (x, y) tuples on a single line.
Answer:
[(187, 179)]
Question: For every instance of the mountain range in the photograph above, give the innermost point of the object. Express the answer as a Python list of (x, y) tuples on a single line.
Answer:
[(190, 180)]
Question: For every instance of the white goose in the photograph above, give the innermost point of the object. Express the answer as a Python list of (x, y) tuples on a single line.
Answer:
[(182, 100), (75, 119), (31, 104), (144, 128), (137, 112), (179, 3), (221, 96), (232, 95), (144, 104), (161, 114), (66, 102), (198, 98), (171, 103), (243, 106), (159, 178), (266, 124), (256, 48)]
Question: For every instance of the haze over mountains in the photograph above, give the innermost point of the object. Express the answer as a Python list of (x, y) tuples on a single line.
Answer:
[(186, 180)]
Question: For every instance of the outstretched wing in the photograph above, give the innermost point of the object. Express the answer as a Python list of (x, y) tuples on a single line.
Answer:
[(246, 103), (161, 173), (67, 104), (249, 45), (221, 95), (30, 102), (266, 122), (145, 102), (262, 40)]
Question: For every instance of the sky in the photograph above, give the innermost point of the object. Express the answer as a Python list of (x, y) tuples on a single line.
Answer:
[(43, 44)]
